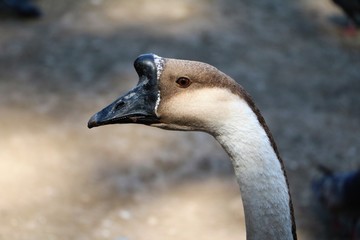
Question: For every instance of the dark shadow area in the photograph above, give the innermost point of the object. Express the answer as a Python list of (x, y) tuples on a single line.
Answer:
[(19, 9)]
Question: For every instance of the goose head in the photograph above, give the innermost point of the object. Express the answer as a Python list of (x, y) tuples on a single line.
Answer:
[(174, 94)]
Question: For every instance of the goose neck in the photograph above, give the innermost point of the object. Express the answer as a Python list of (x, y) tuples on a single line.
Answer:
[(259, 173)]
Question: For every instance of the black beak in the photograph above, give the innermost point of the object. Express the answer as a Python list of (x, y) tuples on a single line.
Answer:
[(138, 105)]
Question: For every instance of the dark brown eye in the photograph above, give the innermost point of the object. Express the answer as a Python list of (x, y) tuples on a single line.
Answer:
[(183, 82)]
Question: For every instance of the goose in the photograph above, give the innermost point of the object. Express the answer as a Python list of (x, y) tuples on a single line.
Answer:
[(187, 95)]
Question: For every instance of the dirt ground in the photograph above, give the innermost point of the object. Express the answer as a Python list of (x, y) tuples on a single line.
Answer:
[(60, 180)]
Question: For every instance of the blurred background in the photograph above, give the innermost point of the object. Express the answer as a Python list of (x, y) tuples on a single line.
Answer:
[(60, 180)]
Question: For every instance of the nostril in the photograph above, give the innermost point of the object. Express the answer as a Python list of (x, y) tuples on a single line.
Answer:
[(119, 105)]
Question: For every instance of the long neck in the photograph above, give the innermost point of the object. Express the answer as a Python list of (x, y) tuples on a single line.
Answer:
[(263, 185)]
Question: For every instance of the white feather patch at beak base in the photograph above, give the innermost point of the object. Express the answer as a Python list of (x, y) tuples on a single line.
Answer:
[(159, 62), (157, 103)]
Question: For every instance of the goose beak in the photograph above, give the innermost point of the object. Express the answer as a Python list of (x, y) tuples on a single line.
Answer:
[(138, 105), (133, 107)]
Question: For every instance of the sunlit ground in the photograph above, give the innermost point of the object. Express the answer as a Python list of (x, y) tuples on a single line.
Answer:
[(60, 180)]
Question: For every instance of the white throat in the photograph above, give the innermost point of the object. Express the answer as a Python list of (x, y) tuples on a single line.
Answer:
[(258, 170)]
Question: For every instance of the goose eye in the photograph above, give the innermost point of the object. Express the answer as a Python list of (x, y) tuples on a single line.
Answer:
[(183, 82)]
